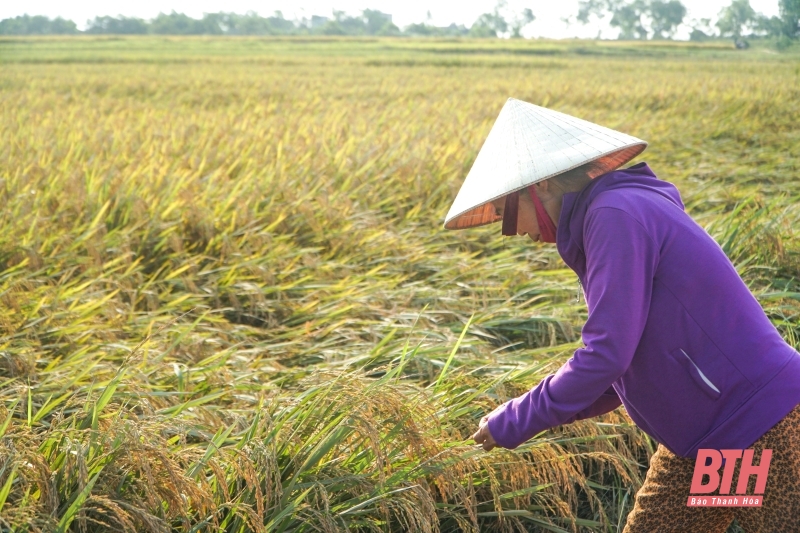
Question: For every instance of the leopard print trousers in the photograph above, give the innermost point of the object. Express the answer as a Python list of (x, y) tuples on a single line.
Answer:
[(660, 505)]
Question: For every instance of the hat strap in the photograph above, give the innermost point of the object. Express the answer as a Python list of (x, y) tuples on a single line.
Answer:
[(510, 212), (547, 230)]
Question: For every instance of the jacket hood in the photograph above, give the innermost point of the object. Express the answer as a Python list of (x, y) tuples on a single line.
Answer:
[(569, 238)]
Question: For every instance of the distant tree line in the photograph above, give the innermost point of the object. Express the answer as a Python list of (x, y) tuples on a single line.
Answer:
[(660, 19), (635, 19), (370, 22), (499, 23), (37, 25)]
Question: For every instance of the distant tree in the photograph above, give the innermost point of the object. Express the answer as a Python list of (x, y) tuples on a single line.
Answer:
[(665, 17), (331, 27), (587, 9), (276, 24), (735, 19), (350, 25), (37, 25), (389, 29), (701, 30), (375, 21), (423, 29), (212, 23), (60, 26), (502, 21), (635, 19), (520, 21), (790, 18), (279, 25), (489, 25), (628, 18), (764, 25), (248, 24), (370, 22), (420, 29), (481, 30), (181, 24), (117, 26), (455, 30)]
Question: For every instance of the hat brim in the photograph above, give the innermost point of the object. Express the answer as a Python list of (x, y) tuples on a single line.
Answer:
[(487, 214)]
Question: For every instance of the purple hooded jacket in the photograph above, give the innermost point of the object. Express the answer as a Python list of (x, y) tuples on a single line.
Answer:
[(673, 332)]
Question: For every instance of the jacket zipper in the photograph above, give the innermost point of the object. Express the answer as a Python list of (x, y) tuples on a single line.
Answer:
[(708, 381)]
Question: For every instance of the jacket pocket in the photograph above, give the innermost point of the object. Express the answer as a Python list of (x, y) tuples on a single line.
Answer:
[(699, 377)]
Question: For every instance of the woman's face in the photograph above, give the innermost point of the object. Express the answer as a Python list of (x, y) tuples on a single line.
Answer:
[(526, 215)]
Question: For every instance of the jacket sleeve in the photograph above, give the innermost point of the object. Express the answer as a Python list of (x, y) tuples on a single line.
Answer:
[(606, 403), (621, 261)]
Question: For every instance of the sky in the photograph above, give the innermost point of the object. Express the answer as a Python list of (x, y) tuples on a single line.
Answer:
[(549, 13)]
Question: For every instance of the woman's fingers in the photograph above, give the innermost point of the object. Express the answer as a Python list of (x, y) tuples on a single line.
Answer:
[(478, 436), (488, 441), (484, 437)]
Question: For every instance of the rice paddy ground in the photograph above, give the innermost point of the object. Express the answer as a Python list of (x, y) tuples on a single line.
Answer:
[(227, 302)]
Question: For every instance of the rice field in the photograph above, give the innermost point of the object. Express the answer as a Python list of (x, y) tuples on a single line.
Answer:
[(228, 303)]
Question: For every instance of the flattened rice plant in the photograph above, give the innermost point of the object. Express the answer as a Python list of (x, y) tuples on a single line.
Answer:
[(227, 303)]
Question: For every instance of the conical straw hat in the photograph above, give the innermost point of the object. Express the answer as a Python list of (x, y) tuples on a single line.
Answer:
[(528, 144)]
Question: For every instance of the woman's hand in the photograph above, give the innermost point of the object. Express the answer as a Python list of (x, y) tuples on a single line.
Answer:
[(483, 436)]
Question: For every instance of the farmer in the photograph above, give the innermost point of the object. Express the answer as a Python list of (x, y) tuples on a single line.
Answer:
[(673, 333)]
